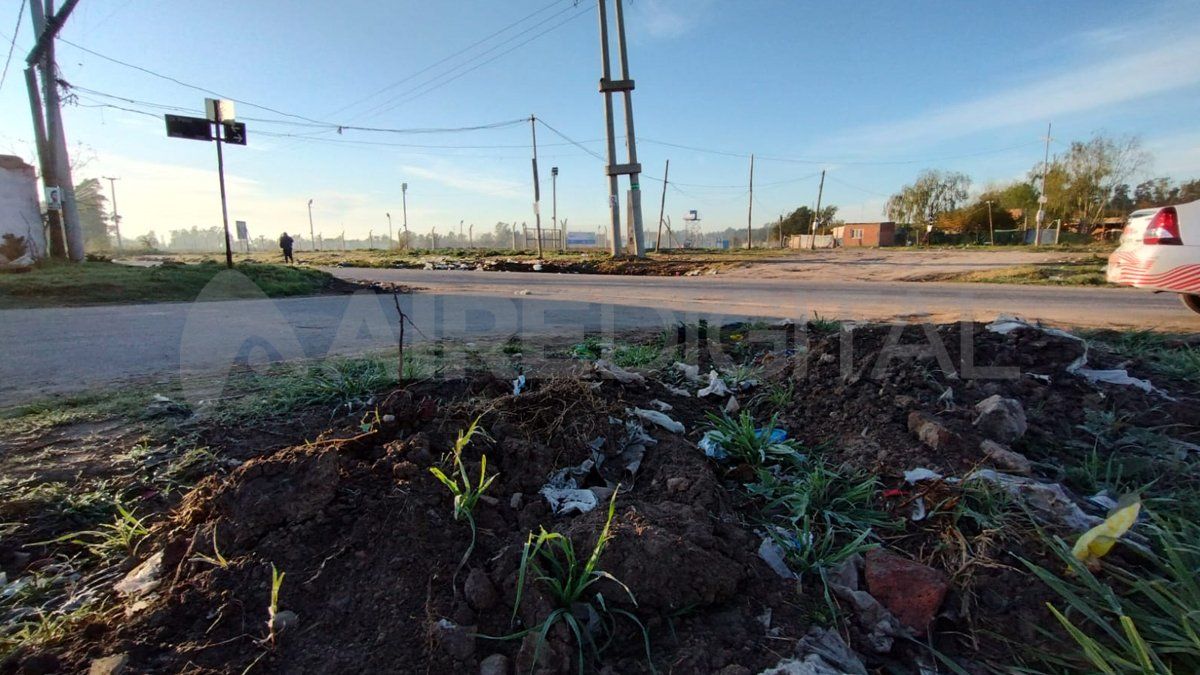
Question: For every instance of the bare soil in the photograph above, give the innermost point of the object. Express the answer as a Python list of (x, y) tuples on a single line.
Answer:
[(370, 547)]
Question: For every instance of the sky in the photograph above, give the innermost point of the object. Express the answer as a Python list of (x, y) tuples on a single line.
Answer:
[(871, 92)]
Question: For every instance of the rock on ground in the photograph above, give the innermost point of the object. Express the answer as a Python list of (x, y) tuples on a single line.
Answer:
[(1001, 419), (930, 431), (912, 591), (1005, 459)]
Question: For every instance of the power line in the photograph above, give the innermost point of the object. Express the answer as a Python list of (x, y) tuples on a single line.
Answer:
[(793, 160), (451, 57), (12, 44), (417, 92)]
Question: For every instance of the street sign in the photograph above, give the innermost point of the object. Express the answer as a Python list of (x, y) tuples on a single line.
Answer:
[(195, 128), (581, 238), (217, 106), (242, 232), (235, 132)]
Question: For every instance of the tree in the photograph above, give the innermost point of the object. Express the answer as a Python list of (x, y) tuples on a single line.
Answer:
[(1081, 184), (1018, 195), (974, 219), (148, 241), (93, 215), (932, 194)]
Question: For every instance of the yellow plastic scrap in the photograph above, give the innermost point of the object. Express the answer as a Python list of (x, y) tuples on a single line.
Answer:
[(1098, 541)]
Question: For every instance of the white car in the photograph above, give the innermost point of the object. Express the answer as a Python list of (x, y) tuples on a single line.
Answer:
[(1160, 251)]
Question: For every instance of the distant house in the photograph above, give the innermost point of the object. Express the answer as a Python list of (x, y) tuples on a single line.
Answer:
[(866, 234)]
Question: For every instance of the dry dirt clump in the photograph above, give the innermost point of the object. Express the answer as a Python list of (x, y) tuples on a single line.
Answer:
[(375, 578)]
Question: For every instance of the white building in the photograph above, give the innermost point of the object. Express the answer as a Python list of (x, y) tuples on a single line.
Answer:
[(20, 213)]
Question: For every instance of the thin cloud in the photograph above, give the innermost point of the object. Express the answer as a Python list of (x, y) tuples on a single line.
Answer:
[(1089, 85), (474, 183), (669, 18)]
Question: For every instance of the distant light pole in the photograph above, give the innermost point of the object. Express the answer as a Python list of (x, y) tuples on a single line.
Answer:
[(554, 206), (991, 228), (404, 203), (312, 237), (389, 215), (115, 217)]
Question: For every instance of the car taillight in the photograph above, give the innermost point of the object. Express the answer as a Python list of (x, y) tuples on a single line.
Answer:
[(1163, 228)]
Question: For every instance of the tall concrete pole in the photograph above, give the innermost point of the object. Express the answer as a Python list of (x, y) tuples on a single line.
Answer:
[(389, 215), (750, 209), (56, 242), (662, 206), (635, 188), (56, 139), (116, 217), (614, 209), (404, 205), (537, 189), (562, 237), (310, 227), (221, 178), (1041, 213), (816, 214)]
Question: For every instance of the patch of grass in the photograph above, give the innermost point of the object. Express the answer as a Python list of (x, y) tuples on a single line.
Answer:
[(57, 499), (349, 383), (775, 396), (39, 626), (1130, 618), (550, 559), (838, 498), (824, 325), (746, 443), (74, 409), (55, 284), (120, 537), (1166, 354), (1083, 272), (635, 356), (590, 349)]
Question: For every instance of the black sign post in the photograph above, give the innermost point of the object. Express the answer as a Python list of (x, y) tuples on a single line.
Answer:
[(201, 129)]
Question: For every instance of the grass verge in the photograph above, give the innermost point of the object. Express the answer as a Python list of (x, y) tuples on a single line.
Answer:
[(53, 284)]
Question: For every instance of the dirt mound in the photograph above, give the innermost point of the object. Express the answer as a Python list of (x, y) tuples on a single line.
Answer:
[(372, 551)]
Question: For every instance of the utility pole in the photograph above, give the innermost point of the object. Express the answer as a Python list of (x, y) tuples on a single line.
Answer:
[(1041, 214), (52, 144), (404, 205), (781, 230), (537, 191), (217, 110), (662, 207), (56, 244), (389, 215), (471, 236), (608, 87), (750, 209), (116, 218), (460, 233), (310, 226), (562, 238), (816, 214), (991, 227)]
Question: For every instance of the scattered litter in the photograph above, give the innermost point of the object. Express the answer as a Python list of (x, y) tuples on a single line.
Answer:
[(1006, 324), (537, 267), (143, 578), (518, 384), (388, 418), (1098, 541), (1047, 500), (919, 474), (663, 406), (655, 417), (732, 406), (918, 510), (678, 391), (565, 501), (880, 626), (712, 445), (690, 372), (523, 291), (820, 652), (772, 554), (610, 371), (715, 386)]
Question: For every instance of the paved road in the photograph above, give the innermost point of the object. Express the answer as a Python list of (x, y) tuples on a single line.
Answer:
[(71, 349)]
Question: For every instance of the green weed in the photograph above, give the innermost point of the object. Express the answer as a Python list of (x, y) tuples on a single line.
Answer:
[(635, 356), (746, 443), (273, 608), (550, 559), (466, 494), (216, 559), (589, 350), (1143, 619), (122, 536)]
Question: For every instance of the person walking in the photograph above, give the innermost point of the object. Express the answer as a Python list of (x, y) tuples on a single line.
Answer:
[(285, 243)]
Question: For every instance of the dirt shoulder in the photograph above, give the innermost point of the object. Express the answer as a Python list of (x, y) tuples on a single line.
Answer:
[(763, 507)]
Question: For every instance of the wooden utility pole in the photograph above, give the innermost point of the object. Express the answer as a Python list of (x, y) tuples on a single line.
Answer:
[(781, 230), (1041, 212), (991, 227), (750, 209), (662, 207), (52, 147), (812, 231), (56, 243), (537, 190)]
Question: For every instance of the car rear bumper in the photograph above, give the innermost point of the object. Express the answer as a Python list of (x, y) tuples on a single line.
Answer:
[(1160, 268)]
